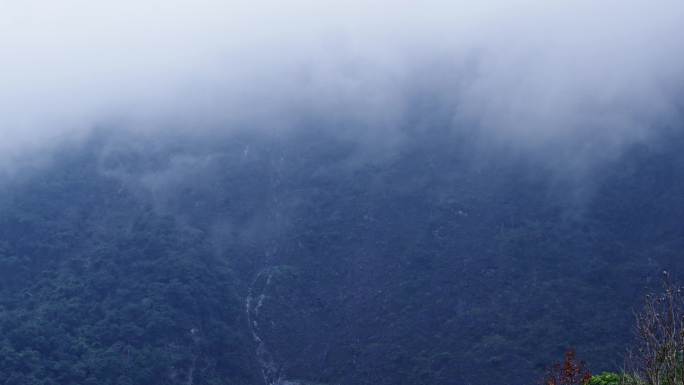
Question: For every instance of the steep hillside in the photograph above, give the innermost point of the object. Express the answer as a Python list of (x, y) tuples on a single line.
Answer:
[(306, 258)]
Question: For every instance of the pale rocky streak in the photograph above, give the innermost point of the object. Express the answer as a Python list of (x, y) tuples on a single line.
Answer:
[(270, 368)]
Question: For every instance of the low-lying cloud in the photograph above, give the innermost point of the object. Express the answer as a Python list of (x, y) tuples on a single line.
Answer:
[(525, 72)]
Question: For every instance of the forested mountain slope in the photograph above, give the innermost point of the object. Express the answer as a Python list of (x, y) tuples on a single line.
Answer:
[(254, 259)]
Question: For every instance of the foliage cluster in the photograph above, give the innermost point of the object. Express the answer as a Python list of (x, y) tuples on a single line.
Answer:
[(606, 378), (569, 372)]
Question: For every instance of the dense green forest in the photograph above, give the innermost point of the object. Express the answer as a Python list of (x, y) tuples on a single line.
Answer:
[(308, 258)]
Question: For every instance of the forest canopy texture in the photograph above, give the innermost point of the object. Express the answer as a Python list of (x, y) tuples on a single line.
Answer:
[(249, 260)]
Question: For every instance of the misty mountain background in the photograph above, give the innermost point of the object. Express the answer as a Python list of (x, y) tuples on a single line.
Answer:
[(333, 193)]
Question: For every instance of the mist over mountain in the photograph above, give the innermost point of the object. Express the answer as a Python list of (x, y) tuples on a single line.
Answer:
[(326, 193), (524, 72)]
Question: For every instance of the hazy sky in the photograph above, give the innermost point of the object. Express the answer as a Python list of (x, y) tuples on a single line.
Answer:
[(526, 71)]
